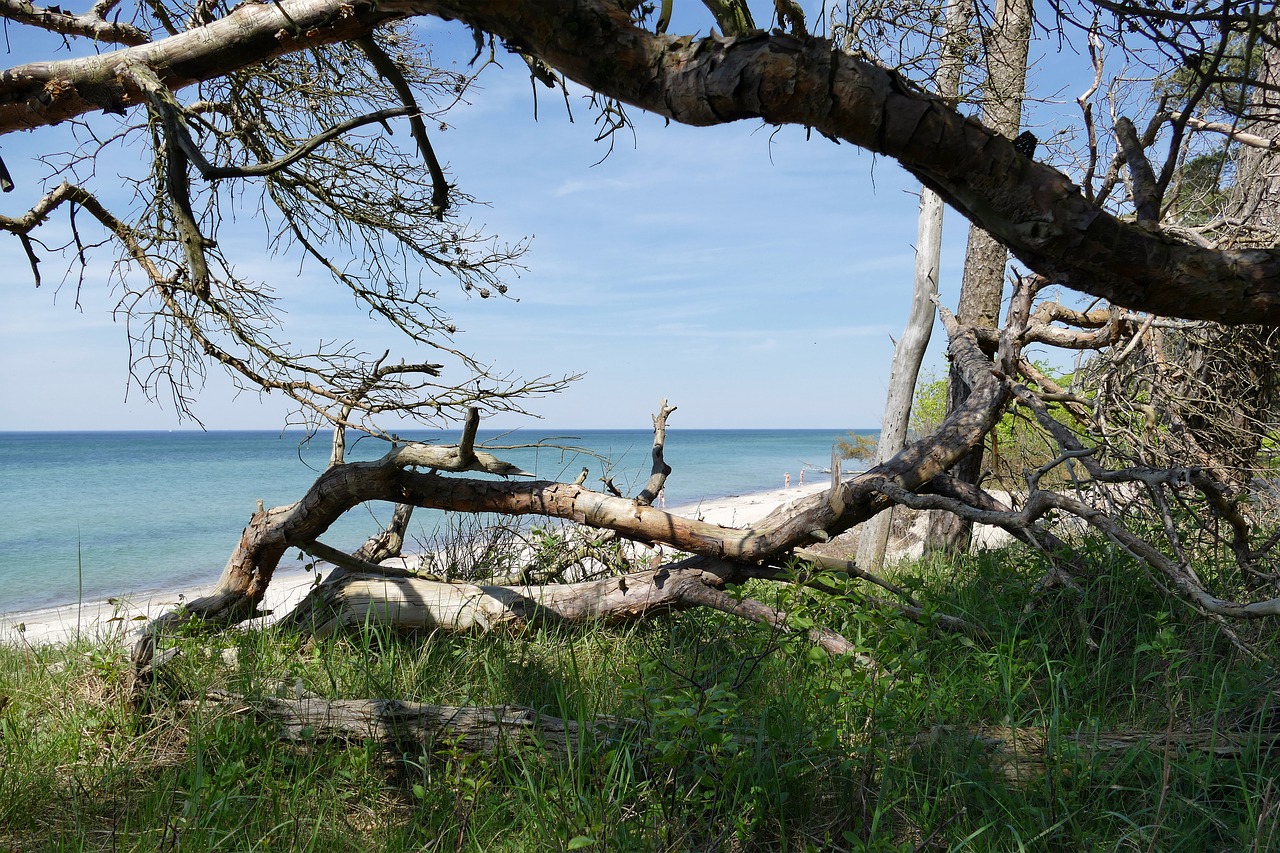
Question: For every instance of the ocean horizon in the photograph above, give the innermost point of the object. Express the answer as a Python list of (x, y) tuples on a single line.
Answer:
[(88, 515)]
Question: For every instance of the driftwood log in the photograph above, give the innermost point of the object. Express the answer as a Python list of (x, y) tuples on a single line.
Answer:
[(1023, 755), (419, 604), (420, 727)]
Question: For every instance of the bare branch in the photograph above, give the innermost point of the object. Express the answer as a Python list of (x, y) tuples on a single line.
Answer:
[(351, 563), (389, 70), (1231, 132), (661, 470), (1142, 179), (211, 172), (466, 444), (89, 25)]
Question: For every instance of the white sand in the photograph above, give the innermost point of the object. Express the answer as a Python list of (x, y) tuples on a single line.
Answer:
[(744, 510), (112, 617)]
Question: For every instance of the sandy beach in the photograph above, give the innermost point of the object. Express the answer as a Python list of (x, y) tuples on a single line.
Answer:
[(107, 618)]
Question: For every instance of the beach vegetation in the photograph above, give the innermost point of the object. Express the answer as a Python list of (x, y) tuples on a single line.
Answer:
[(858, 447), (1076, 724), (1108, 685)]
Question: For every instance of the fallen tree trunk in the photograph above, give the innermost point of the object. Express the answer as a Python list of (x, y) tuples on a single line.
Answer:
[(396, 478), (414, 726), (349, 600), (421, 604), (1023, 755)]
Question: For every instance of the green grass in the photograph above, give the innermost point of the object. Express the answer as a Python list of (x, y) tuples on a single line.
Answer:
[(746, 740)]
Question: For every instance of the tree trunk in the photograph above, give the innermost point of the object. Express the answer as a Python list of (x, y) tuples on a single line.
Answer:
[(873, 536), (982, 288)]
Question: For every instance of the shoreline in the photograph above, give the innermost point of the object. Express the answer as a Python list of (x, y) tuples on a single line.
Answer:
[(107, 618)]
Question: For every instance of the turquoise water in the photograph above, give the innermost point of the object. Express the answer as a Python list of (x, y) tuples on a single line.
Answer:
[(101, 513)]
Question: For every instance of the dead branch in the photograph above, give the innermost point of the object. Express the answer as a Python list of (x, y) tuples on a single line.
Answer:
[(1231, 132), (91, 25), (390, 541), (661, 470), (1142, 179), (351, 563), (406, 726), (211, 172), (391, 72)]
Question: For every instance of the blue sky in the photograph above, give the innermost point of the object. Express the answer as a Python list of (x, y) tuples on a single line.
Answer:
[(751, 276)]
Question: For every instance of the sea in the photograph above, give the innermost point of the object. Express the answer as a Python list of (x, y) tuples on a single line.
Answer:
[(87, 515)]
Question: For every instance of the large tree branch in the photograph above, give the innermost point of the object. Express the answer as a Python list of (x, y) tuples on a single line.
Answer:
[(45, 93), (89, 25), (1033, 209)]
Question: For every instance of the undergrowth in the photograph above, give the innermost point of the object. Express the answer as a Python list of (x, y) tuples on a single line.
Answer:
[(1112, 720)]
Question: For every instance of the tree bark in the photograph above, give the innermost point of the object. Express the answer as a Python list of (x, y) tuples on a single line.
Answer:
[(408, 726), (873, 536), (982, 287)]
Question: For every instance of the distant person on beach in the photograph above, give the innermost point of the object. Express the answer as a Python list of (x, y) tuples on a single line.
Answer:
[(786, 480)]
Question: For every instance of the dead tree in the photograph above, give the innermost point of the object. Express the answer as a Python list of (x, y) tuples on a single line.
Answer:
[(292, 99)]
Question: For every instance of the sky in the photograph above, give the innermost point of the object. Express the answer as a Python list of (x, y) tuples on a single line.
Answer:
[(752, 276)]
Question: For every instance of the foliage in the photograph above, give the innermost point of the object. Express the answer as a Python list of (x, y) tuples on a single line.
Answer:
[(1201, 189), (746, 740), (1016, 444), (860, 447), (929, 403)]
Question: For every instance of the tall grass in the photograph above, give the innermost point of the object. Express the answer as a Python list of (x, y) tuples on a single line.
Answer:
[(739, 739)]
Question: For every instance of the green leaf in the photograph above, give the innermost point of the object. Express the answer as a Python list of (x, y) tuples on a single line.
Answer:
[(419, 792), (580, 841)]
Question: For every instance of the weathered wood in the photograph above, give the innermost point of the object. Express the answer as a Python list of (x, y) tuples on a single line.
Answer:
[(660, 470), (873, 536), (400, 724), (1022, 755), (390, 540), (414, 604), (395, 478)]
